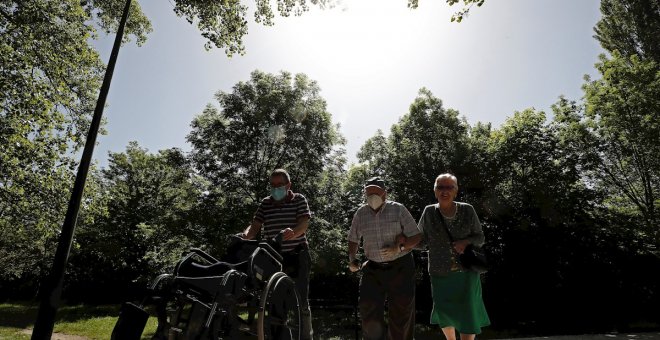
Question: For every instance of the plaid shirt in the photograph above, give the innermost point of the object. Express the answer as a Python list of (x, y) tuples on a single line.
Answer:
[(379, 229)]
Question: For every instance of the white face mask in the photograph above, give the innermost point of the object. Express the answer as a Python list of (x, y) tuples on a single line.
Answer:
[(374, 201)]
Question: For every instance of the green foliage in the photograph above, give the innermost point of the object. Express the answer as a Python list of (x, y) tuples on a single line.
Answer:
[(458, 16), (631, 27), (224, 23), (374, 154), (547, 223), (333, 210), (580, 192), (615, 135), (48, 85), (426, 142), (268, 122), (527, 164), (107, 13), (569, 207), (149, 219), (46, 91), (49, 80)]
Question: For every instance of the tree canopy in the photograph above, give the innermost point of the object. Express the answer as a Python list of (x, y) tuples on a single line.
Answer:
[(49, 79), (631, 27), (616, 135), (568, 204), (149, 217), (268, 122)]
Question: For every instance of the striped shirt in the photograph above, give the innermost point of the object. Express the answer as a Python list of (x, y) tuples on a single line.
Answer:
[(379, 229), (277, 216)]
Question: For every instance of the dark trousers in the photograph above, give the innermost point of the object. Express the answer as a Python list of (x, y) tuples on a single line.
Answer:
[(298, 266), (394, 281)]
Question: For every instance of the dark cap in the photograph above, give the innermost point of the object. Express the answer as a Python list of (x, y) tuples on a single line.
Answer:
[(375, 181)]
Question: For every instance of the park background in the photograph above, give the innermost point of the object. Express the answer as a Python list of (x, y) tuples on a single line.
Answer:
[(562, 168)]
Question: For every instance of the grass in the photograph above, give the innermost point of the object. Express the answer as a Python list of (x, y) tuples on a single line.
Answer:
[(92, 322), (7, 333), (97, 322), (99, 327)]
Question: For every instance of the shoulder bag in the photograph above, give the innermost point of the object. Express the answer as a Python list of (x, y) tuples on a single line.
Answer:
[(473, 257)]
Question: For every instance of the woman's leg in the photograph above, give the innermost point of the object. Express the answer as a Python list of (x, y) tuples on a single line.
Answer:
[(450, 333), (468, 336)]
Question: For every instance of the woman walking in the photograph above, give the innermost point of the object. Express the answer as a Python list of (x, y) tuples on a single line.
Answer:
[(457, 302)]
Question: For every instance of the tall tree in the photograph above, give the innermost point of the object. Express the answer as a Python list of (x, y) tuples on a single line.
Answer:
[(537, 202), (49, 77), (617, 133), (427, 141), (631, 27), (151, 208), (331, 207), (271, 121), (374, 154)]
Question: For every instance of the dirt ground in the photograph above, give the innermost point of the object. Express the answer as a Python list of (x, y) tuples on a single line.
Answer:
[(59, 336)]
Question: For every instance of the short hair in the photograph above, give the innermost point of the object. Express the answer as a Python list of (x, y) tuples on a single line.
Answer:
[(281, 172), (446, 175)]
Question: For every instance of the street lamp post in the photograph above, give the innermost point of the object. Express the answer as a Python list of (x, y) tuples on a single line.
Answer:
[(51, 287)]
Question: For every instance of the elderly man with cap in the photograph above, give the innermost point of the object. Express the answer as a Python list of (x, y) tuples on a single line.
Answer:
[(388, 233)]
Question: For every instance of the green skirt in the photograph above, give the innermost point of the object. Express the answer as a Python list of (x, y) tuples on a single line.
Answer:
[(457, 302)]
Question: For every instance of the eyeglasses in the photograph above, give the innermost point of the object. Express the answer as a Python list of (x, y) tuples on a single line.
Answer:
[(445, 187)]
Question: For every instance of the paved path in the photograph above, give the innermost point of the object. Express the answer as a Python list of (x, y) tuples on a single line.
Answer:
[(617, 336)]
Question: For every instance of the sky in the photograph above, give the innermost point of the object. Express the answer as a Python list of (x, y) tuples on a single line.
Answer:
[(370, 58)]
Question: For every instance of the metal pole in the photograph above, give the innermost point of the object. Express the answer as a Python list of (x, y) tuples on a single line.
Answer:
[(51, 288)]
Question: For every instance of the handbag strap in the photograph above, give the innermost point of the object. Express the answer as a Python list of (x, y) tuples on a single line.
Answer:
[(455, 255), (444, 224)]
